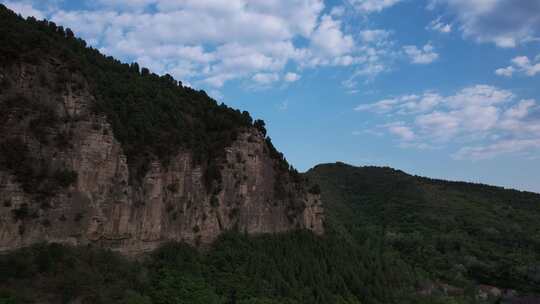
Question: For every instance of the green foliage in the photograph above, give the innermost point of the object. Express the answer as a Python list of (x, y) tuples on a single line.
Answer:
[(291, 268), (315, 189), (456, 232), (21, 213), (368, 257), (175, 287), (214, 201), (14, 156), (63, 274), (35, 176), (261, 126), (65, 177)]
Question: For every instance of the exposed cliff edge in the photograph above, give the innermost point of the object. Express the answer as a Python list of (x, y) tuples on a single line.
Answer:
[(65, 177)]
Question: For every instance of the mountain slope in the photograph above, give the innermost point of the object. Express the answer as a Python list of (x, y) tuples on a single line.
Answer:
[(96, 151), (457, 232)]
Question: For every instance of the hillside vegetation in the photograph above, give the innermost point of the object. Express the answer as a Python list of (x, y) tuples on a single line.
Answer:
[(457, 232), (290, 268), (391, 238)]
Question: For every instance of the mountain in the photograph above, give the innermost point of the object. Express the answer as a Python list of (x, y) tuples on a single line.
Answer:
[(96, 151), (121, 186), (459, 233)]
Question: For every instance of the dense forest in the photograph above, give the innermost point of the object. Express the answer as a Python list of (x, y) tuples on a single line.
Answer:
[(460, 233), (289, 268)]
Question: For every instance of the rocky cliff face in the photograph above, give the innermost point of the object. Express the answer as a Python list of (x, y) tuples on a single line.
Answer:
[(64, 178)]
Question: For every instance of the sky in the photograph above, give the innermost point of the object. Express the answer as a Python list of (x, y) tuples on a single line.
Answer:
[(441, 88)]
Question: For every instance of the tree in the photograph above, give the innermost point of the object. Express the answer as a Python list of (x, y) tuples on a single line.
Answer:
[(69, 33), (260, 125)]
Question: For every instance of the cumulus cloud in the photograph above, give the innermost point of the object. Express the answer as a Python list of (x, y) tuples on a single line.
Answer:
[(382, 106), (265, 78), (370, 6), (24, 9), (498, 148), (283, 106), (525, 65), (291, 77), (479, 95), (377, 35), (377, 55), (406, 104), (424, 55), (521, 64), (211, 42), (505, 23), (482, 121), (329, 39), (439, 26), (403, 132), (507, 72)]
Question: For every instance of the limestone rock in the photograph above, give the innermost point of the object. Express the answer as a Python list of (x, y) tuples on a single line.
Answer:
[(169, 203)]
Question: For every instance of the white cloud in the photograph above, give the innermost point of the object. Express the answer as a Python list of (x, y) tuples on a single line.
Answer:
[(522, 118), (521, 110), (405, 104), (291, 77), (370, 6), (497, 149), (265, 78), (284, 106), (425, 55), (329, 39), (479, 95), (521, 64), (25, 9), (507, 72), (525, 65), (440, 125), (403, 132), (377, 55), (130, 4), (437, 25), (377, 35), (337, 11), (481, 117), (370, 69), (211, 42), (419, 104), (207, 41), (502, 22), (383, 106)]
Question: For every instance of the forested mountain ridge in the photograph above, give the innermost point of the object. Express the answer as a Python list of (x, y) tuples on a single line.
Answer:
[(96, 151), (389, 238), (457, 232), (98, 155)]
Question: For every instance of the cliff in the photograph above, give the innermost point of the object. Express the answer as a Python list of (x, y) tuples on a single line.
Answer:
[(66, 177)]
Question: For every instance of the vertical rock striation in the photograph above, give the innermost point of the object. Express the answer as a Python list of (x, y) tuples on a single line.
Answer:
[(65, 178)]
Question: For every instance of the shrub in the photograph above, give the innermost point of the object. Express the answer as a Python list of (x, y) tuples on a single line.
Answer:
[(21, 213), (315, 189), (214, 201), (65, 177)]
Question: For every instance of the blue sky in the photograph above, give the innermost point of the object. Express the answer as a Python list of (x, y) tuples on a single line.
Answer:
[(441, 88)]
